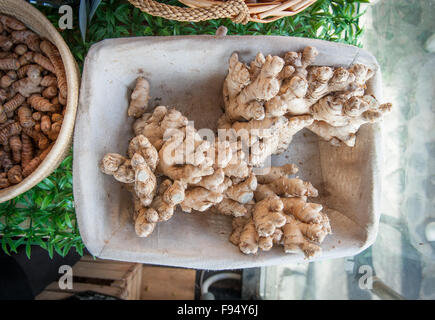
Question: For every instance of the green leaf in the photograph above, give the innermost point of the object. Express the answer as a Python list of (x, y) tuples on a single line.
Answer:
[(28, 249)]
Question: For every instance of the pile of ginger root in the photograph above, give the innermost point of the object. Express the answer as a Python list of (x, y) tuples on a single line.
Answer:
[(169, 164), (33, 96), (278, 97)]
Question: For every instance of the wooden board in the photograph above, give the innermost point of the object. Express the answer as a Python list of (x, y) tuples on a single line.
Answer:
[(163, 283), (113, 278)]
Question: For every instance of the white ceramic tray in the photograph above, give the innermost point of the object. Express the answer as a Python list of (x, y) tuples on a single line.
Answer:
[(187, 72)]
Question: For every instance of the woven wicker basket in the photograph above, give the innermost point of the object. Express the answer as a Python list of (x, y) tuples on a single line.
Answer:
[(36, 21), (238, 11)]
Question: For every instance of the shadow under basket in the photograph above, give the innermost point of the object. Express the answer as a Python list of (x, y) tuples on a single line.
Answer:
[(37, 22)]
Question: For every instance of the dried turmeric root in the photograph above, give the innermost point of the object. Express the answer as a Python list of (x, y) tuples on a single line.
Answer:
[(41, 104), (56, 60), (36, 161), (26, 73), (11, 23)]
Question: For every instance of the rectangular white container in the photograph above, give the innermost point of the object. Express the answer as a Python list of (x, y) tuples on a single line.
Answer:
[(187, 72)]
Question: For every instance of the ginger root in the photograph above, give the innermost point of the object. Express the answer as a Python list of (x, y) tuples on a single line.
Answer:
[(268, 101), (337, 119), (281, 215), (145, 182), (119, 167), (161, 209), (139, 98)]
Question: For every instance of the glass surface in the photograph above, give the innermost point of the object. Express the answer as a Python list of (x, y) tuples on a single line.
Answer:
[(402, 260)]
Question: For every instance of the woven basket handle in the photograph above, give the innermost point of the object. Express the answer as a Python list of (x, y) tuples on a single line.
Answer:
[(236, 10)]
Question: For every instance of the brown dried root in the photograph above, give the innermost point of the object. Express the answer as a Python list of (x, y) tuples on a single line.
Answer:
[(5, 43), (53, 54), (36, 161), (44, 62), (40, 139), (14, 103), (45, 124), (16, 147), (49, 81), (4, 181), (26, 58), (9, 130), (8, 79), (22, 68), (139, 98), (9, 64), (20, 49), (5, 160), (11, 23), (49, 92), (15, 174), (27, 150), (29, 38)]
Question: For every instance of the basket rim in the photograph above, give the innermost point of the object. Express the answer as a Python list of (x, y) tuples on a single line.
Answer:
[(62, 144), (259, 11)]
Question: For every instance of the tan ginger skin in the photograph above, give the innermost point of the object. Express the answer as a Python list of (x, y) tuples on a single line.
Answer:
[(287, 220), (282, 95), (198, 177), (139, 98), (275, 97)]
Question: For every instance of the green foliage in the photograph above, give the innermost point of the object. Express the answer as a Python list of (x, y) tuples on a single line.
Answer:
[(45, 215)]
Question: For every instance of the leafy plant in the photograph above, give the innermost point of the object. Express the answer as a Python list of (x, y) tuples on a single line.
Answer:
[(45, 215), (86, 12)]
